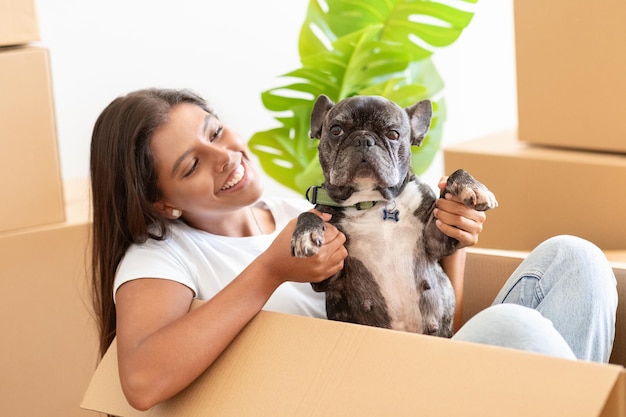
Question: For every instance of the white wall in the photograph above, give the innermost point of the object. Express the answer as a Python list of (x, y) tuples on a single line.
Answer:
[(231, 51)]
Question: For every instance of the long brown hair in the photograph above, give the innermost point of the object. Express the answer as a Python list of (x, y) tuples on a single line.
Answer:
[(123, 188)]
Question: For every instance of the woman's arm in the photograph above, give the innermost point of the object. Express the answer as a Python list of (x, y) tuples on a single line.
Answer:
[(162, 347)]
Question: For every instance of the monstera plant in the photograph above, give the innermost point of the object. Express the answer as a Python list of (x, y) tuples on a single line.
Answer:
[(358, 47)]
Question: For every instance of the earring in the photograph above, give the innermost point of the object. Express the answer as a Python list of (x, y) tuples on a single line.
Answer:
[(176, 213)]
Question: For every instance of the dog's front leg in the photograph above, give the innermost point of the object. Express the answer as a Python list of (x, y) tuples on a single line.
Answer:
[(437, 244)]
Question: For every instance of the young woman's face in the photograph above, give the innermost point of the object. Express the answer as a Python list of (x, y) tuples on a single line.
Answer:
[(203, 167)]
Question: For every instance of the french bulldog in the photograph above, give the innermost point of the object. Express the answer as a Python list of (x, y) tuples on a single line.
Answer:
[(392, 277)]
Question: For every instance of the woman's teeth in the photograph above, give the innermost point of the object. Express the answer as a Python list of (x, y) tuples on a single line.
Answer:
[(235, 179)]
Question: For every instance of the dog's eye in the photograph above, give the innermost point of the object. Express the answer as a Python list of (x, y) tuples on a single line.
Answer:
[(393, 135), (336, 130)]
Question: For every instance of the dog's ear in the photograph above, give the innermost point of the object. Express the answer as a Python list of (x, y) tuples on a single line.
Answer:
[(420, 115), (322, 105)]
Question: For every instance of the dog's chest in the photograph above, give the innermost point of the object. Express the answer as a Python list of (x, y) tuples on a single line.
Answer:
[(387, 239)]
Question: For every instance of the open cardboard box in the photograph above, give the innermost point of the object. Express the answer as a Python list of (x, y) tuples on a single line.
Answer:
[(284, 365)]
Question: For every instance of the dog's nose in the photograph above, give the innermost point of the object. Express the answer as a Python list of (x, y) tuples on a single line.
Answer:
[(364, 141)]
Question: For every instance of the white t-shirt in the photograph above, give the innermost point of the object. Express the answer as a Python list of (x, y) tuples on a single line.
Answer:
[(206, 263)]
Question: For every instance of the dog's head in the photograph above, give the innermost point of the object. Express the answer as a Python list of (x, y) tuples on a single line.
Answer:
[(365, 143)]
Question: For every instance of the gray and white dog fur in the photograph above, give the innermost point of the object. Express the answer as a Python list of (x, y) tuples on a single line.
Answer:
[(392, 277)]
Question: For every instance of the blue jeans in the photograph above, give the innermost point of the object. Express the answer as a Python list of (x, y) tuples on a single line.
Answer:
[(560, 301)]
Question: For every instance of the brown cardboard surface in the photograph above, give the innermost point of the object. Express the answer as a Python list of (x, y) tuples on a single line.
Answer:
[(49, 343), (285, 365), (18, 22), (616, 403), (544, 192), (570, 79), (30, 177)]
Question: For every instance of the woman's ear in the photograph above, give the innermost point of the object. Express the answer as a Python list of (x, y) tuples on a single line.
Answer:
[(166, 210)]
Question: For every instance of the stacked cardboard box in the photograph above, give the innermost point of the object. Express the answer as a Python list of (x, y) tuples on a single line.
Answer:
[(545, 192), (570, 74), (49, 347), (18, 22), (49, 342), (564, 170), (29, 164), (29, 170)]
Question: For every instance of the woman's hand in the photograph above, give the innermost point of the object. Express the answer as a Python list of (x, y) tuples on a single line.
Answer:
[(457, 220), (327, 262)]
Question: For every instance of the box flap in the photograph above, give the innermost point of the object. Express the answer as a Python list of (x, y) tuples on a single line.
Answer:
[(284, 365)]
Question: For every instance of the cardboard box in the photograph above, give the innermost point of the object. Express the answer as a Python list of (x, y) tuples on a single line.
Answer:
[(30, 176), (18, 22), (49, 343), (570, 75), (283, 365), (543, 192)]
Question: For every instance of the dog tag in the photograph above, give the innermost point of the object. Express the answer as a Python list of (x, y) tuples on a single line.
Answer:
[(390, 212)]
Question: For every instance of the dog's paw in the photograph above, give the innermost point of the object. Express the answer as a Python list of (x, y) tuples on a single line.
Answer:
[(308, 237), (478, 197), (473, 193)]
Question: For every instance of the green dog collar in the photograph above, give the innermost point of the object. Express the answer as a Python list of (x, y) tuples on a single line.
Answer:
[(318, 195)]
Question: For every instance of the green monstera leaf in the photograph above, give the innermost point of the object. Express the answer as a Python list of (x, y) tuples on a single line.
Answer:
[(358, 47)]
